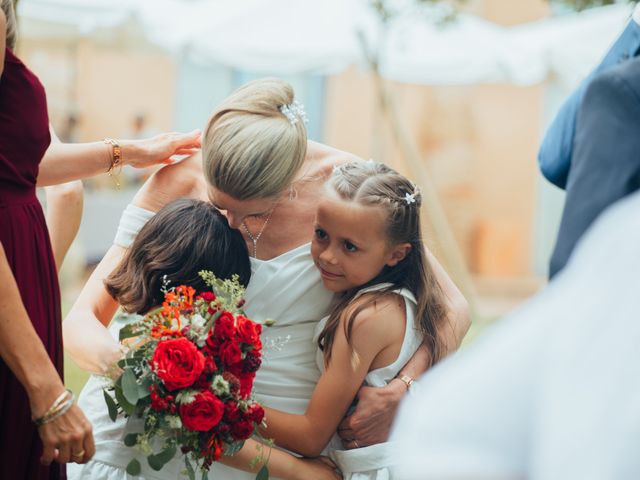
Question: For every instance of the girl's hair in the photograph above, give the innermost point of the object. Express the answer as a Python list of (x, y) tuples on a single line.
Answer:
[(370, 183), (8, 7), (183, 238), (251, 149)]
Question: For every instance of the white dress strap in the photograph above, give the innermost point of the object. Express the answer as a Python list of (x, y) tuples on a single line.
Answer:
[(132, 220)]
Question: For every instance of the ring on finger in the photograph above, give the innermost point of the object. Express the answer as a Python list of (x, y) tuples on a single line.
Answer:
[(79, 454), (355, 442)]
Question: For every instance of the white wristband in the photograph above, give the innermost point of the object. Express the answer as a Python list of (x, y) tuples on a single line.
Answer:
[(132, 220)]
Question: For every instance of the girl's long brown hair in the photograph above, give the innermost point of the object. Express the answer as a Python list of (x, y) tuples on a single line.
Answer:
[(371, 183), (183, 238)]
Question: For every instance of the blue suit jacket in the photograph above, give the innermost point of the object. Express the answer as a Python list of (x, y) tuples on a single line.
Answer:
[(605, 165), (555, 152)]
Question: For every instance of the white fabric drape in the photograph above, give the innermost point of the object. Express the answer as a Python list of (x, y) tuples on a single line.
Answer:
[(292, 36)]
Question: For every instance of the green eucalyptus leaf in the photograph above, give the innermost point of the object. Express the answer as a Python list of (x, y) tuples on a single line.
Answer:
[(111, 406), (134, 468), (131, 439), (161, 459), (123, 402), (232, 448), (128, 331), (263, 474), (130, 386), (190, 471)]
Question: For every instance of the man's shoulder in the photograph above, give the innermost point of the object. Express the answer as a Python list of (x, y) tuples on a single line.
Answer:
[(626, 74)]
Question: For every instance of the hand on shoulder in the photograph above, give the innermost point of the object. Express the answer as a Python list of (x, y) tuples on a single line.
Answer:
[(178, 180)]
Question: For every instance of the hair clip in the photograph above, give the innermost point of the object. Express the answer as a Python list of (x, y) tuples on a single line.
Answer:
[(294, 111), (409, 198)]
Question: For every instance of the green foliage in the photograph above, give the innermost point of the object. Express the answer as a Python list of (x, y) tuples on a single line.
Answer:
[(263, 474), (229, 292), (161, 459), (583, 4), (134, 467), (111, 406), (190, 471)]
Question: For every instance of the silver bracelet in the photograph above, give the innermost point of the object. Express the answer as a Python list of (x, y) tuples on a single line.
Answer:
[(62, 404)]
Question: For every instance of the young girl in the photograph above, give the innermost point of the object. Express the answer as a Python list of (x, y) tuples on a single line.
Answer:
[(368, 248), (185, 237)]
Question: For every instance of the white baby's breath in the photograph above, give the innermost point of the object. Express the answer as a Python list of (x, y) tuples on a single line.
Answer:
[(174, 422), (219, 385), (186, 396)]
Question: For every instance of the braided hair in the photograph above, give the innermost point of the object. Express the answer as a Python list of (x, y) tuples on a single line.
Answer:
[(375, 184)]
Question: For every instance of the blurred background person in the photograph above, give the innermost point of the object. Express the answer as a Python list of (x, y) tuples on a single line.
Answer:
[(605, 164), (550, 392)]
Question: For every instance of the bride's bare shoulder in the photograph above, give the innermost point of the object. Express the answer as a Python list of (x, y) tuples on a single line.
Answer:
[(179, 180), (323, 157)]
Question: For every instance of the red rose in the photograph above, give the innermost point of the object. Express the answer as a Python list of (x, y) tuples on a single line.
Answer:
[(230, 353), (208, 296), (225, 326), (177, 362), (210, 365), (231, 412), (213, 344), (203, 413), (255, 413), (246, 384), (249, 332), (242, 430)]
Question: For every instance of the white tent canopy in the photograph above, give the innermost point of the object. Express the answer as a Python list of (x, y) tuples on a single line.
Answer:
[(294, 36)]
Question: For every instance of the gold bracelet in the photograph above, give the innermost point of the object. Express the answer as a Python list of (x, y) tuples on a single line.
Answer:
[(116, 160), (406, 379)]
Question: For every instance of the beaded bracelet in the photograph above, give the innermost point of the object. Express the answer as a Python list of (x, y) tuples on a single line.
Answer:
[(116, 160), (59, 407)]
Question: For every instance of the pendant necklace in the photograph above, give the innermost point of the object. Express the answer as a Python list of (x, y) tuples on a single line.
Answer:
[(255, 239)]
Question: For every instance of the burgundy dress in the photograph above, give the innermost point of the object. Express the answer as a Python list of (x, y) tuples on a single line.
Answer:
[(24, 138)]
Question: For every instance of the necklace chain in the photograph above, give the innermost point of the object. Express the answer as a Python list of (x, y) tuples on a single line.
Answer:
[(255, 239)]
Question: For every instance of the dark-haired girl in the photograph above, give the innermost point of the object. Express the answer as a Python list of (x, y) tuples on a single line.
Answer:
[(185, 237)]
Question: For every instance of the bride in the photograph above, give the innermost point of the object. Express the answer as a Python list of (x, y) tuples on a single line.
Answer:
[(264, 175)]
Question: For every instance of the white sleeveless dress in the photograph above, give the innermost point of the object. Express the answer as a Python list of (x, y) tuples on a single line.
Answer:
[(287, 289), (374, 462)]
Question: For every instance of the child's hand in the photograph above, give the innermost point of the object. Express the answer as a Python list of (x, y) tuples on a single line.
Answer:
[(321, 468)]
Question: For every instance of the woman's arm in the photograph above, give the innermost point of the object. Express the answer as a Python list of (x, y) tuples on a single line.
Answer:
[(94, 308), (373, 332), (64, 214), (86, 338), (23, 352), (64, 162), (459, 319), (372, 419), (280, 464)]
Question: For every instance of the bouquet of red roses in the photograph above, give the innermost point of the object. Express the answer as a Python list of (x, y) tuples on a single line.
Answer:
[(189, 375)]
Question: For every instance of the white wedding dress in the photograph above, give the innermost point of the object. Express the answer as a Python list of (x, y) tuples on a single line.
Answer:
[(374, 462), (287, 289)]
